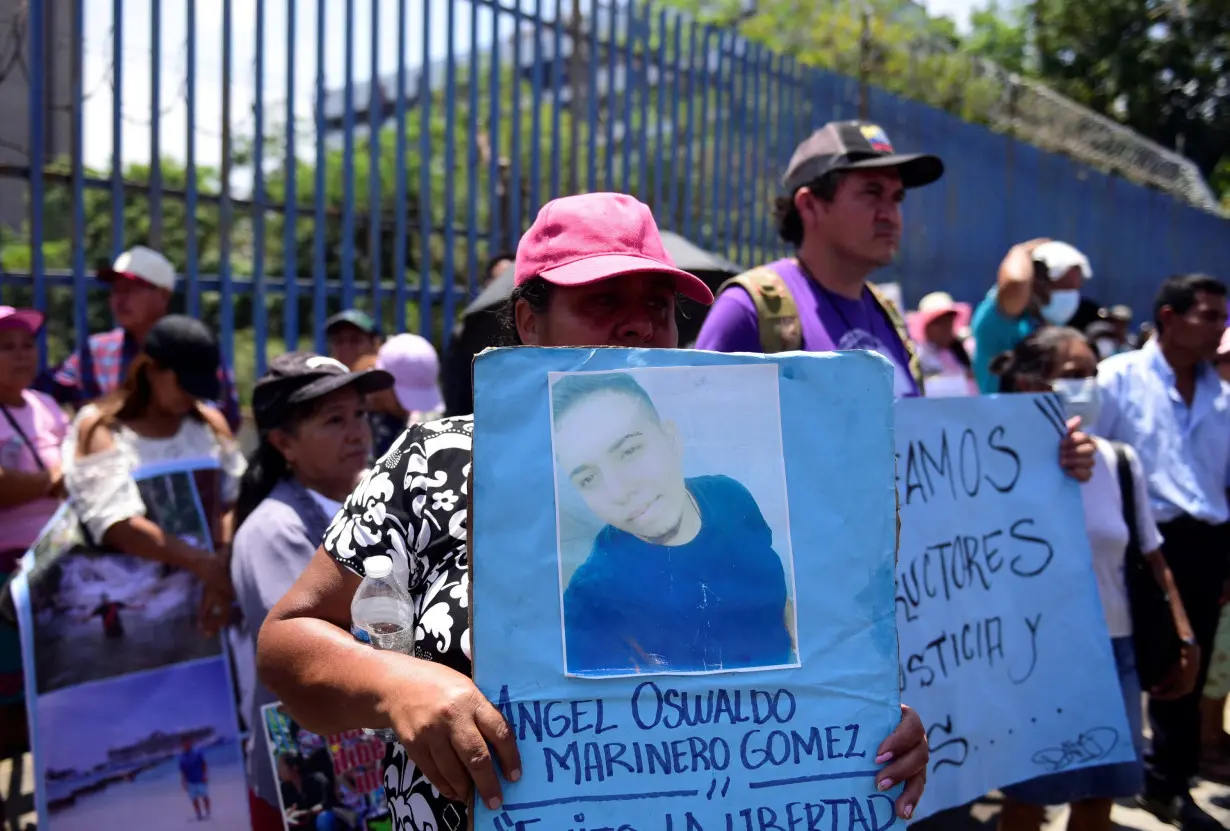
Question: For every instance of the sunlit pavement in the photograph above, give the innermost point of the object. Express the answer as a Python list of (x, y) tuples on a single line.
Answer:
[(1213, 798)]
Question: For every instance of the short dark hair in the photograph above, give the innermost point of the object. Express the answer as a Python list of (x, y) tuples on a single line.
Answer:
[(572, 389), (535, 291), (497, 258), (789, 223), (1179, 293), (1036, 357)]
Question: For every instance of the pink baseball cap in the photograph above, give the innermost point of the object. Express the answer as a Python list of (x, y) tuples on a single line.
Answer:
[(29, 319), (579, 240)]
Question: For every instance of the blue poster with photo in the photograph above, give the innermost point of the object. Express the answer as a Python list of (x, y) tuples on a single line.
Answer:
[(682, 574)]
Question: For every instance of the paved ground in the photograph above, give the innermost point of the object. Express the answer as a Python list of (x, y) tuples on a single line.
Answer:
[(1213, 798)]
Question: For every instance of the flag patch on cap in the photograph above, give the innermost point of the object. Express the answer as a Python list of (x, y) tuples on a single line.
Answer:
[(876, 138)]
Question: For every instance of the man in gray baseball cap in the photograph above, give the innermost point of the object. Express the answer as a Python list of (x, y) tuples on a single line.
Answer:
[(841, 209)]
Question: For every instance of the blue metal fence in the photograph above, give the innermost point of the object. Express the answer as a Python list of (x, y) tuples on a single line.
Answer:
[(389, 191)]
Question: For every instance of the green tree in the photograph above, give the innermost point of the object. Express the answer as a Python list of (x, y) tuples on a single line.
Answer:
[(60, 237), (892, 43), (1000, 35), (1155, 65)]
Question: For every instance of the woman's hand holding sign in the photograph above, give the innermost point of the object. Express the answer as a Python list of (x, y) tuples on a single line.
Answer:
[(1076, 452), (907, 753), (447, 728)]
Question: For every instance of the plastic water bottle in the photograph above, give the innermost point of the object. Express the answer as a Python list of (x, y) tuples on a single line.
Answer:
[(382, 615)]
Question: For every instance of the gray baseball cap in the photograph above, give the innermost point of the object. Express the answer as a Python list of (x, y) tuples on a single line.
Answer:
[(856, 145)]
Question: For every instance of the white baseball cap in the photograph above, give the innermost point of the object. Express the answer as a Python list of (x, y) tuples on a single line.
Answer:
[(1059, 258), (144, 264)]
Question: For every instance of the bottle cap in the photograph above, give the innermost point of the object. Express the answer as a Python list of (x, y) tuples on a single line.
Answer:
[(377, 567)]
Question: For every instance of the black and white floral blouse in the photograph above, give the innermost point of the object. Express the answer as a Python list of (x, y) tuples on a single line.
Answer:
[(412, 506)]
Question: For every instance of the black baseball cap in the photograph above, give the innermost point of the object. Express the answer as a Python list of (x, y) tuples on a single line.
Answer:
[(353, 317), (856, 145), (189, 349), (297, 377)]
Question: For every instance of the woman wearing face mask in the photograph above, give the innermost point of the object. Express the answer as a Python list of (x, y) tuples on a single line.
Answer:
[(591, 271), (158, 415), (315, 441), (1059, 360), (1038, 284)]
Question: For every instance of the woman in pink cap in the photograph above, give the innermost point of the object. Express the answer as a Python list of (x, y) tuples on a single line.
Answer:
[(590, 272), (415, 396), (31, 488), (935, 329)]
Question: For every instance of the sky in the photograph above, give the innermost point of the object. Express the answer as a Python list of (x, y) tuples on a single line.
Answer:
[(182, 697), (958, 10), (136, 63)]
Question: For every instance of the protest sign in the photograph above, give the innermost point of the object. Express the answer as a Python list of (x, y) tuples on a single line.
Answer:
[(326, 781), (1004, 648), (683, 595), (131, 706)]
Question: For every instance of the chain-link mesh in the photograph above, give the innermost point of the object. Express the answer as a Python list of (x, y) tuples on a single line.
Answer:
[(1033, 112)]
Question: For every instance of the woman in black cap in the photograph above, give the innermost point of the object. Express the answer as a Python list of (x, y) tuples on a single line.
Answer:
[(160, 414), (315, 441)]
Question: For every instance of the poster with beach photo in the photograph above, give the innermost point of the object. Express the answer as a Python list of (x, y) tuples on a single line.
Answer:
[(132, 717), (151, 750), (97, 613)]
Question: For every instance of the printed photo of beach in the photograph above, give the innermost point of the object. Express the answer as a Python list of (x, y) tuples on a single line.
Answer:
[(156, 750), (99, 613)]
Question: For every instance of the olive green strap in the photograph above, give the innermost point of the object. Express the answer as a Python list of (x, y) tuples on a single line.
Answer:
[(889, 308), (776, 312)]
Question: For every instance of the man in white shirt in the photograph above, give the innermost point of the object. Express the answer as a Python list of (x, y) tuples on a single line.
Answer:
[(1167, 401)]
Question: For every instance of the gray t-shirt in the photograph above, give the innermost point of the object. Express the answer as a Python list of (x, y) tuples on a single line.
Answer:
[(271, 549)]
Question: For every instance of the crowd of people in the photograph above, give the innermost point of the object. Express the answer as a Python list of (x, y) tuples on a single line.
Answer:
[(350, 443)]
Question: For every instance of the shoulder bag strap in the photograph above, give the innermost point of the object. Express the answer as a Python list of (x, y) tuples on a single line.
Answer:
[(776, 312), (1127, 492), (21, 434), (893, 315)]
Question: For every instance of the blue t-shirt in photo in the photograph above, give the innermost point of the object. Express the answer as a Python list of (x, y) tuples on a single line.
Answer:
[(192, 766), (717, 602)]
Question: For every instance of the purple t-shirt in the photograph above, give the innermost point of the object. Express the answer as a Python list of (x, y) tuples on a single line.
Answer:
[(829, 322)]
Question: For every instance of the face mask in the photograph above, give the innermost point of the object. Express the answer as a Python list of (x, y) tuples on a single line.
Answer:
[(1062, 306), (1106, 347), (1081, 397)]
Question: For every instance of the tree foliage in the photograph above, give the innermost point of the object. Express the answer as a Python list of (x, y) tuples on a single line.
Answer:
[(999, 34), (892, 43), (1158, 66)]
